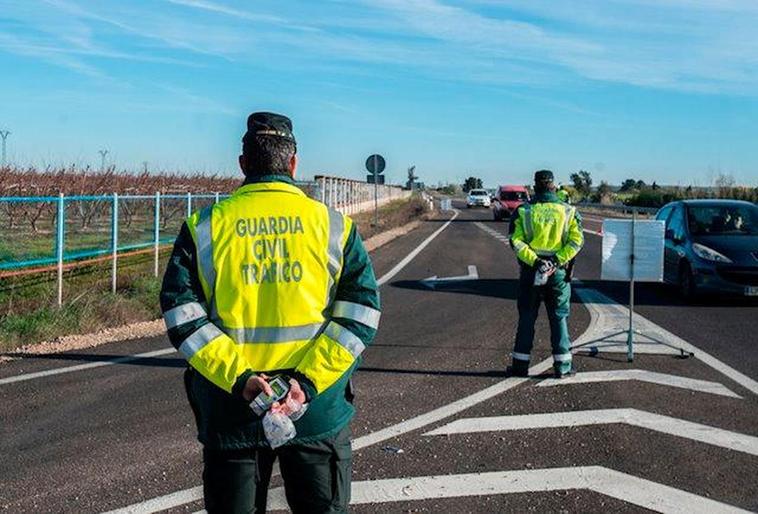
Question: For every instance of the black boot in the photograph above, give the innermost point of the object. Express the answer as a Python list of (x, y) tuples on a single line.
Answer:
[(517, 369)]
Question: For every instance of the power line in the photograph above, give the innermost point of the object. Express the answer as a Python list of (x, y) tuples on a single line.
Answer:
[(4, 134)]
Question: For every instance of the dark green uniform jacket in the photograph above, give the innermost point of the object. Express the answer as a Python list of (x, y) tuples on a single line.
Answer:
[(225, 421)]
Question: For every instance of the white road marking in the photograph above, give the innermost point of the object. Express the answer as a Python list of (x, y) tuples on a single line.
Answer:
[(408, 258), (129, 358), (607, 317), (634, 417), (82, 367), (196, 493), (168, 501), (447, 410), (703, 386), (473, 274), (628, 488)]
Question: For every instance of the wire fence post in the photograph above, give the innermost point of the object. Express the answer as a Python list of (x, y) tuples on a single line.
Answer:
[(114, 242), (217, 198), (157, 231), (59, 238), (189, 204)]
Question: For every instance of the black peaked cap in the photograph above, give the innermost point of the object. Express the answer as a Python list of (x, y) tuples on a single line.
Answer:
[(269, 124)]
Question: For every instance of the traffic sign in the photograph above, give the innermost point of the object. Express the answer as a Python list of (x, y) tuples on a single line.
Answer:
[(379, 179), (375, 164)]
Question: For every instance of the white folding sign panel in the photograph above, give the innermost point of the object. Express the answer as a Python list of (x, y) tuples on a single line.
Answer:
[(648, 250)]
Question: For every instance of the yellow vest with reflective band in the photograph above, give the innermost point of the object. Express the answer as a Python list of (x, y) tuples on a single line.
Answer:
[(269, 259), (545, 229)]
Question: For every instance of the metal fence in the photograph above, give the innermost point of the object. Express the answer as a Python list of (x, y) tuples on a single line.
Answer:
[(54, 234)]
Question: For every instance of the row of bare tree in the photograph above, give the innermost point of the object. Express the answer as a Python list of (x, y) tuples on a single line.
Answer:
[(74, 181)]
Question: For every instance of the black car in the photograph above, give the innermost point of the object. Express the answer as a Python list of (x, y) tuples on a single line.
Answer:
[(711, 245)]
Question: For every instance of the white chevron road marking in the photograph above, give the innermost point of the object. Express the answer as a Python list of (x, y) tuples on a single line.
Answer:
[(634, 417), (624, 487), (590, 377)]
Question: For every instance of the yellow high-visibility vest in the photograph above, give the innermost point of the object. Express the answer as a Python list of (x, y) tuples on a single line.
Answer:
[(546, 229), (269, 260)]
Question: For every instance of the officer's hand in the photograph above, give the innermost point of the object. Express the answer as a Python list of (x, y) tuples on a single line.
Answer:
[(294, 400), (255, 385)]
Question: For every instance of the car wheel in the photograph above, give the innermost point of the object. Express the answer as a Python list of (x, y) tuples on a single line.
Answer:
[(687, 287), (495, 216)]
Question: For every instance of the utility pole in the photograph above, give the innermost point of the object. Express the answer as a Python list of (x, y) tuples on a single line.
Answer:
[(4, 134), (102, 153), (144, 166)]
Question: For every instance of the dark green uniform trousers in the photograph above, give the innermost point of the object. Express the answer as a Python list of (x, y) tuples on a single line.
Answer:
[(316, 477), (556, 295)]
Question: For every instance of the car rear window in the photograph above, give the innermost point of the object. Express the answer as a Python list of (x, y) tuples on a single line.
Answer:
[(513, 195), (722, 220)]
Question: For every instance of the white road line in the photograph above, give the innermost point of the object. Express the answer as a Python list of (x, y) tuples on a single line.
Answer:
[(408, 258), (164, 502), (81, 367), (129, 358), (196, 493), (447, 410), (606, 317), (616, 375), (628, 488), (634, 417), (593, 232)]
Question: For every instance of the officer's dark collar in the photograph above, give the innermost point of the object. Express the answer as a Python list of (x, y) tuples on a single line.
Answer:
[(548, 196), (256, 179)]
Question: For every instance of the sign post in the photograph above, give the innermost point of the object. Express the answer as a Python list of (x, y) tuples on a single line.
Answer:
[(633, 251), (375, 164)]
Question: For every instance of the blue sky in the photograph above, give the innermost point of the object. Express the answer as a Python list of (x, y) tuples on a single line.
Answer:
[(662, 90)]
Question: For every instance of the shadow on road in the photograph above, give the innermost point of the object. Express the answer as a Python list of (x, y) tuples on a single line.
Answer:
[(447, 373), (170, 362), (616, 292)]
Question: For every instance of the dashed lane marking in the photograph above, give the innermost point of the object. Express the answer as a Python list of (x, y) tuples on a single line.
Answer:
[(616, 375), (634, 417)]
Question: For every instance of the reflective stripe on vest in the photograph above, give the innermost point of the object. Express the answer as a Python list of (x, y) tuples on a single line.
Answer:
[(566, 224), (198, 339), (204, 234), (334, 252), (184, 314), (349, 341), (562, 357), (273, 334), (357, 312), (528, 223)]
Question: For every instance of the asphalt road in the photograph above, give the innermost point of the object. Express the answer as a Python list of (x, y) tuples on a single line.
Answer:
[(683, 434)]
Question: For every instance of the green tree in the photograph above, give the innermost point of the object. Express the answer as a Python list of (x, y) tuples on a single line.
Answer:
[(582, 182), (472, 183), (628, 184)]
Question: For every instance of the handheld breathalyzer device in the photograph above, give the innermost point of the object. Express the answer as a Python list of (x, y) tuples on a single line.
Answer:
[(263, 402)]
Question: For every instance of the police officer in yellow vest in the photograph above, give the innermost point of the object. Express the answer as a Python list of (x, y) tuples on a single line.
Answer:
[(545, 233), (563, 195), (270, 282)]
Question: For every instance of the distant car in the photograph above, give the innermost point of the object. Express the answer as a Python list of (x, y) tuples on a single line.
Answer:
[(478, 198), (507, 200), (711, 245)]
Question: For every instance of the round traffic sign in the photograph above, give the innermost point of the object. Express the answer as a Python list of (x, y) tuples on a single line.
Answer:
[(375, 164)]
